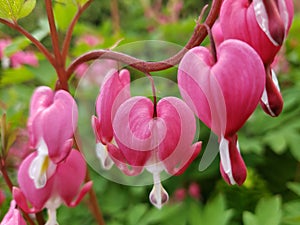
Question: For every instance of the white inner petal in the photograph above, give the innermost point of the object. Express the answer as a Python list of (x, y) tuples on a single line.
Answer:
[(41, 166), (275, 80), (102, 154), (52, 204), (225, 159), (158, 195)]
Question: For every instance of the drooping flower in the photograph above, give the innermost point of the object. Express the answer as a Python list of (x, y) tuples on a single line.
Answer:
[(223, 94), (155, 137), (13, 216), (263, 24), (114, 91), (63, 187), (51, 124)]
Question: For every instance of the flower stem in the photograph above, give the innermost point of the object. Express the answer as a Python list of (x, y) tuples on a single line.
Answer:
[(200, 32), (33, 40), (68, 37), (95, 208), (94, 203)]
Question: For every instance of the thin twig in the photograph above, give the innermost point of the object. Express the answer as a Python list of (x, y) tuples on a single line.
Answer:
[(34, 41), (95, 208), (198, 36), (68, 37)]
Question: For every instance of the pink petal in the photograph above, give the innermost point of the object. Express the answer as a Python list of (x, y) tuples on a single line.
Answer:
[(59, 122), (176, 151), (122, 163), (233, 168), (13, 216), (223, 95), (114, 91), (84, 190), (238, 21), (217, 33), (242, 84), (271, 101), (142, 133), (40, 100), (67, 184), (37, 197)]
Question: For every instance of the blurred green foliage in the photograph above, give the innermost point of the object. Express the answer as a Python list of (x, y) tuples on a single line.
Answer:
[(271, 193)]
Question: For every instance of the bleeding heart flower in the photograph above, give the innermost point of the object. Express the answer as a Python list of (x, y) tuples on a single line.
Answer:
[(223, 95), (13, 216), (63, 187), (263, 24), (51, 124), (114, 91), (155, 137)]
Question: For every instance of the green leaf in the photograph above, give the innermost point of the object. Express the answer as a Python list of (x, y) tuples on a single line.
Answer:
[(293, 142), (14, 76), (135, 213), (68, 11), (276, 141), (16, 9), (81, 2), (249, 218), (27, 8), (268, 211), (295, 187), (215, 212), (195, 214), (291, 213)]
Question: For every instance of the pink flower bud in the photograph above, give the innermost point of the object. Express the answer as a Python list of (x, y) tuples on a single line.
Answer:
[(194, 190)]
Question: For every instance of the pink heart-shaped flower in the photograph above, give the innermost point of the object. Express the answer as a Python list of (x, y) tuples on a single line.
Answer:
[(223, 95)]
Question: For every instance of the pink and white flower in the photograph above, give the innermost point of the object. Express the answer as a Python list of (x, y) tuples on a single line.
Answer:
[(113, 92), (63, 187), (223, 94), (154, 137), (263, 24), (51, 124)]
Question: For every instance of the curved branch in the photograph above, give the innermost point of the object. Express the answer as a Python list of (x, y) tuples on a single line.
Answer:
[(33, 40), (200, 32)]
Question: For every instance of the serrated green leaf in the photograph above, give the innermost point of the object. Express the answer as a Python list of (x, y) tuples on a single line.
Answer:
[(16, 9), (27, 8), (9, 9)]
